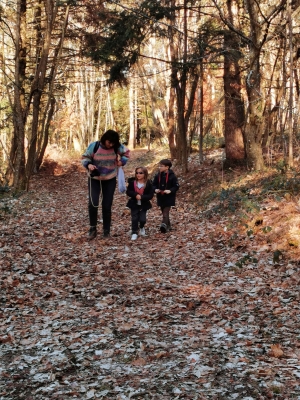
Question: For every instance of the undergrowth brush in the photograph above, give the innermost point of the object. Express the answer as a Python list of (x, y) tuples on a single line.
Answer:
[(247, 193)]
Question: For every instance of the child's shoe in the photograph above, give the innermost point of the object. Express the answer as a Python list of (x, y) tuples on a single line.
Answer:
[(142, 232), (134, 236), (163, 228)]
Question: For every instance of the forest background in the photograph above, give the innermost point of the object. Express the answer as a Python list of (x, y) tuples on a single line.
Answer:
[(210, 309), (181, 73)]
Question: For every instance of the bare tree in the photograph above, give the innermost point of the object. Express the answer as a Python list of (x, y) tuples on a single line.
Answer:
[(35, 37)]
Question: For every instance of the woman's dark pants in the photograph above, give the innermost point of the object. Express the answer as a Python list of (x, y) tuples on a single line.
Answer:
[(107, 190)]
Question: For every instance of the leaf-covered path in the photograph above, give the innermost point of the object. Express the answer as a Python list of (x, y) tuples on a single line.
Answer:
[(166, 317)]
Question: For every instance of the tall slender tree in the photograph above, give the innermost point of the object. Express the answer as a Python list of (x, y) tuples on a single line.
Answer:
[(234, 104)]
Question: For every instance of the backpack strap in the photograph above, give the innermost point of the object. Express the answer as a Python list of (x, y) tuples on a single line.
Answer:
[(96, 147)]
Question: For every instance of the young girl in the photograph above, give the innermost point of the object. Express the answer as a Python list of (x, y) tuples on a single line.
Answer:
[(140, 191)]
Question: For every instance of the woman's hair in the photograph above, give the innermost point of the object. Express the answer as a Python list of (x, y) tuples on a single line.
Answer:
[(144, 169), (113, 137), (166, 162)]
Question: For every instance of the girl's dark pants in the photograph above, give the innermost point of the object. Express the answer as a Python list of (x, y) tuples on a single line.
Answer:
[(108, 189), (137, 216)]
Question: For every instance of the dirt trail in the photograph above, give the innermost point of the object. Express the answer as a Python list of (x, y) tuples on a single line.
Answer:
[(166, 317)]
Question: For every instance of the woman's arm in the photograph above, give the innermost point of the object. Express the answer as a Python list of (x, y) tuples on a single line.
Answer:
[(87, 156), (124, 154)]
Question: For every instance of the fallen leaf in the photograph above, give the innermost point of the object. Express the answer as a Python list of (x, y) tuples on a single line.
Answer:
[(276, 351), (139, 362)]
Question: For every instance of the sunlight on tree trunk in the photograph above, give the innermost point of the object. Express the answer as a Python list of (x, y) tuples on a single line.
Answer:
[(17, 154), (132, 121), (291, 91), (201, 113)]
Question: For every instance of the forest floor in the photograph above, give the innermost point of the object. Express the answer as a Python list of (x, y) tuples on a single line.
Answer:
[(208, 311)]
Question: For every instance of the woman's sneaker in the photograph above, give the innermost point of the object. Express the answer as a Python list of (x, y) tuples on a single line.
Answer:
[(134, 236), (142, 232), (92, 233), (163, 228)]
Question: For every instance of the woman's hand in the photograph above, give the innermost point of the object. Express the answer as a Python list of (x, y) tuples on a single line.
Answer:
[(167, 191), (138, 197), (119, 163), (157, 190), (91, 167)]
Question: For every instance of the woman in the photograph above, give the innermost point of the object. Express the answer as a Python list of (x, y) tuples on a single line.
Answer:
[(102, 160), (140, 191)]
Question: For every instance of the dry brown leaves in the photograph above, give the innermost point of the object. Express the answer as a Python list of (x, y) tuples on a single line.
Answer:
[(166, 317)]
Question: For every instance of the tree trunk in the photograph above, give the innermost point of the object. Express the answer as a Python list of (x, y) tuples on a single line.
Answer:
[(271, 114), (41, 153), (181, 134), (172, 94), (48, 112), (17, 154), (194, 77), (180, 88), (201, 117), (291, 92), (234, 105), (34, 95), (171, 124), (132, 126), (256, 120)]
